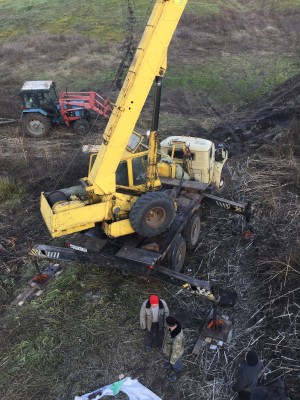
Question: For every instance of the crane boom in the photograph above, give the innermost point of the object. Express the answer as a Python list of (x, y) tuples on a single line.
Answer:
[(149, 61)]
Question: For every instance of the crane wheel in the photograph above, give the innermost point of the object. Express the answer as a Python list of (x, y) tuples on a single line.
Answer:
[(225, 179), (176, 254), (36, 125), (191, 231), (152, 214), (81, 126)]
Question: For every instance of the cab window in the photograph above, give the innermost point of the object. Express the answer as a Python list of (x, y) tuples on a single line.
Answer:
[(179, 154), (122, 174), (139, 166)]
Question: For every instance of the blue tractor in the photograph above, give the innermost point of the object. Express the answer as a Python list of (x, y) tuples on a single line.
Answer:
[(42, 106)]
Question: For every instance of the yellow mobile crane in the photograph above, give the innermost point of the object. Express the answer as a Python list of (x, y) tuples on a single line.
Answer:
[(114, 189), (145, 200)]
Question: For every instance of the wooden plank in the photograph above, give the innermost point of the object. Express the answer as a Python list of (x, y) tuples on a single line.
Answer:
[(21, 298), (34, 290), (198, 346)]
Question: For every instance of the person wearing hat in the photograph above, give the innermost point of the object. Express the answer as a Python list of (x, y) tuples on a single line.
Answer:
[(153, 314), (173, 347), (247, 376)]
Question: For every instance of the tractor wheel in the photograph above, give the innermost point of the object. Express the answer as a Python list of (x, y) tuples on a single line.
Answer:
[(87, 115), (152, 214), (81, 126), (36, 125), (191, 231), (225, 179), (176, 254)]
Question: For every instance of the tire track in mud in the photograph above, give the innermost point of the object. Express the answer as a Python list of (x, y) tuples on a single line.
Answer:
[(127, 45), (252, 124)]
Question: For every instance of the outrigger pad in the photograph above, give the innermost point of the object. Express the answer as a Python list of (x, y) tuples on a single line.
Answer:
[(228, 297)]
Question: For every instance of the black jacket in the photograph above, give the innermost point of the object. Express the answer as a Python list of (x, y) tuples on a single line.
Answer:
[(247, 377)]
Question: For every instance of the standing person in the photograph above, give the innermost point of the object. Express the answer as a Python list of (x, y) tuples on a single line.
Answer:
[(247, 375), (173, 347), (153, 314)]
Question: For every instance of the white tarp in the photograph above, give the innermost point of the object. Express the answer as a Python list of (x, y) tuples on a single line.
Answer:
[(132, 387)]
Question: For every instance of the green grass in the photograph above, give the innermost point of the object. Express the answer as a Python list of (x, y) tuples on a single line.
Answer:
[(206, 7), (105, 20), (233, 80)]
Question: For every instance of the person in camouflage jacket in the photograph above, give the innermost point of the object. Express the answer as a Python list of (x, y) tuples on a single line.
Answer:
[(173, 347)]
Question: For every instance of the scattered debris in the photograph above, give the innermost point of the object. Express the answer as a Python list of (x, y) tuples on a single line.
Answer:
[(38, 284)]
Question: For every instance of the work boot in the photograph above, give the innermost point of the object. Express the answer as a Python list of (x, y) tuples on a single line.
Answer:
[(172, 377)]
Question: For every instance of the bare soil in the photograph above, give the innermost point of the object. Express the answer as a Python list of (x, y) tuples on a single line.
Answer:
[(84, 332)]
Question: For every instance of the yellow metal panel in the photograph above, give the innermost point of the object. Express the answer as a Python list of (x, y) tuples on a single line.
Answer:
[(118, 228), (166, 169), (72, 220), (46, 212), (149, 58)]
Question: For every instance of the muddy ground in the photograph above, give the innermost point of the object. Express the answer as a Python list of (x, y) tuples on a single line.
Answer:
[(84, 331)]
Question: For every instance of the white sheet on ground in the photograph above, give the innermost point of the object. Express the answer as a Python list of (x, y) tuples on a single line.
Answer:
[(132, 387)]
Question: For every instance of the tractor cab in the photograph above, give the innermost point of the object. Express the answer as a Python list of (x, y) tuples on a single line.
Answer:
[(39, 96), (40, 108)]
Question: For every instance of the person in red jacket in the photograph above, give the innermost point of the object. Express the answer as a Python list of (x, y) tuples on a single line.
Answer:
[(247, 376)]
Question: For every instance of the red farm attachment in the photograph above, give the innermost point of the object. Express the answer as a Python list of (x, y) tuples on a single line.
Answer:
[(75, 106)]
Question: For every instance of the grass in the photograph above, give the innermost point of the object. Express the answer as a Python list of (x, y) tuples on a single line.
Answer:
[(233, 79), (11, 191), (207, 7), (63, 42), (107, 22), (65, 328)]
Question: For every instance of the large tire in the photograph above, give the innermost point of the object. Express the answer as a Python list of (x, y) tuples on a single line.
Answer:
[(36, 125), (176, 254), (152, 214), (225, 179), (81, 126), (87, 115), (191, 231)]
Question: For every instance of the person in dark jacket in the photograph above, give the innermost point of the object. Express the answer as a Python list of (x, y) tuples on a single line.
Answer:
[(153, 314), (247, 376), (173, 347), (274, 391)]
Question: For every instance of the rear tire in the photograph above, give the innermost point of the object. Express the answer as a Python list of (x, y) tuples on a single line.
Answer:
[(87, 115), (191, 232), (225, 179), (176, 254), (152, 214), (81, 126), (36, 125)]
